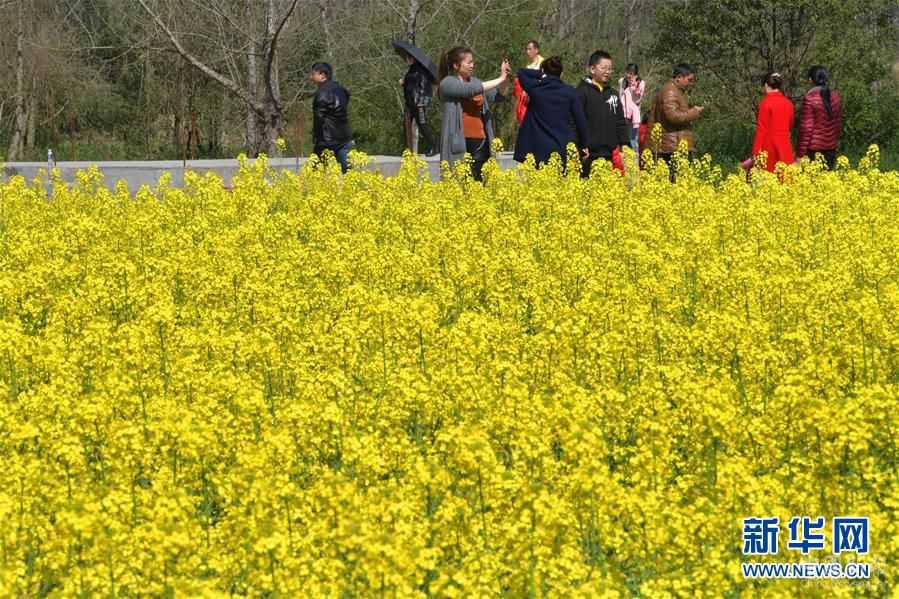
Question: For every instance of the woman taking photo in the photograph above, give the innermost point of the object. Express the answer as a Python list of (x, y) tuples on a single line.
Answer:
[(466, 125), (774, 124), (821, 119)]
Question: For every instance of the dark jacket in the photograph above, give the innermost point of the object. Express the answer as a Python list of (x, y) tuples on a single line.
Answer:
[(606, 126), (330, 121), (552, 106), (418, 87), (819, 131)]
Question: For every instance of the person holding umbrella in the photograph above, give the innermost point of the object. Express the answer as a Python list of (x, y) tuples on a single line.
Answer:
[(418, 91)]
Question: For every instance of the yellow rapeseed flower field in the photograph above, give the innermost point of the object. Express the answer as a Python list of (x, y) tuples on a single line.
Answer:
[(356, 386)]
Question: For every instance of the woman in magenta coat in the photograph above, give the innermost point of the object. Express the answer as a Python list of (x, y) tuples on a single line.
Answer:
[(774, 124)]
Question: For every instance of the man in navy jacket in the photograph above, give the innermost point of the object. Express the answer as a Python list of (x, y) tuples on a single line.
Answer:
[(552, 107)]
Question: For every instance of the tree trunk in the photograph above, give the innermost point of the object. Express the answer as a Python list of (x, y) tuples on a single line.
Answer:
[(561, 18), (178, 111), (145, 88), (252, 86), (270, 124), (32, 115), (412, 20), (628, 29), (271, 115), (54, 128), (19, 121), (326, 30), (268, 112), (223, 118)]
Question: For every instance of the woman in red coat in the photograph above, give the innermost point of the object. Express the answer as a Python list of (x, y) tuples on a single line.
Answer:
[(774, 124)]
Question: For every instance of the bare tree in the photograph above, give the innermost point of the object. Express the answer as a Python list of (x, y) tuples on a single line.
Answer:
[(19, 119), (252, 85), (632, 11), (267, 110)]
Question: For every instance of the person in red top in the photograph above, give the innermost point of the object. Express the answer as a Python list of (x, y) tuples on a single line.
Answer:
[(643, 134), (521, 97), (774, 124), (821, 119)]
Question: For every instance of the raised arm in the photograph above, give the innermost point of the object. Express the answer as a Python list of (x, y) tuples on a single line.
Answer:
[(454, 88), (528, 78), (638, 91), (504, 71)]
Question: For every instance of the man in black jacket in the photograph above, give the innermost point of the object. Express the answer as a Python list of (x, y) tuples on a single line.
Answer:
[(330, 121), (606, 126)]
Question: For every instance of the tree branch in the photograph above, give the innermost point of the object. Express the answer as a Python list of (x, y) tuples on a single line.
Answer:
[(272, 44), (228, 84)]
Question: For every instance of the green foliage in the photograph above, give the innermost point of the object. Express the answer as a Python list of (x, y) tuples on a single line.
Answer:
[(732, 43), (870, 116), (131, 96)]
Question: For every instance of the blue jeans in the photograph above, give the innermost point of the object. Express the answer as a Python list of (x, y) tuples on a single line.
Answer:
[(635, 140), (341, 154)]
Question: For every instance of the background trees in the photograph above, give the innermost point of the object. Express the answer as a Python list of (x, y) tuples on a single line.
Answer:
[(172, 78), (734, 43)]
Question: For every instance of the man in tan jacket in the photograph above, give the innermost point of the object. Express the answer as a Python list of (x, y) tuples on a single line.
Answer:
[(671, 109)]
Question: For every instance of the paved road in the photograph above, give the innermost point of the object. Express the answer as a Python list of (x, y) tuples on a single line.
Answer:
[(136, 174)]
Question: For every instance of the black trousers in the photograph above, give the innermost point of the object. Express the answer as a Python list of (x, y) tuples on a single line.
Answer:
[(419, 117), (587, 163), (672, 165), (830, 157), (480, 154)]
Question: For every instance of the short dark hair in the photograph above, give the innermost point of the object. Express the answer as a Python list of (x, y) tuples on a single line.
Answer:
[(534, 43), (632, 68), (322, 67), (552, 66), (682, 70), (597, 56)]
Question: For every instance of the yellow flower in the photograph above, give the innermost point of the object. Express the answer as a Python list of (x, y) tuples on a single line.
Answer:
[(324, 385)]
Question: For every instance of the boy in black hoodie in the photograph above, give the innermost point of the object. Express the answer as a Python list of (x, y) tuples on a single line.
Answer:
[(606, 125)]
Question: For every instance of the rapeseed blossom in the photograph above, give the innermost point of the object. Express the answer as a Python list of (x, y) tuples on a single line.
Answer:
[(323, 385)]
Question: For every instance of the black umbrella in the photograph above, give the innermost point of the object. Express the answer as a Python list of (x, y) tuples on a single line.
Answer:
[(404, 48)]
